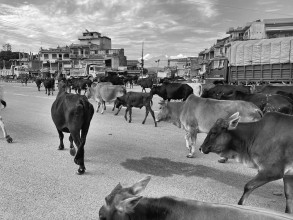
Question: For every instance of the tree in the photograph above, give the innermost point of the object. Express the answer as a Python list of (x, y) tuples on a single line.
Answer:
[(6, 47)]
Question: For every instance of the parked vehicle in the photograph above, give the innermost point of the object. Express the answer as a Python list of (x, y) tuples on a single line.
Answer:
[(266, 60)]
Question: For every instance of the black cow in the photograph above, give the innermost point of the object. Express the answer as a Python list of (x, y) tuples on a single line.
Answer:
[(270, 89), (266, 145), (125, 203), (170, 91), (49, 84), (115, 80), (218, 91), (266, 102), (72, 113), (137, 100), (145, 83), (38, 82)]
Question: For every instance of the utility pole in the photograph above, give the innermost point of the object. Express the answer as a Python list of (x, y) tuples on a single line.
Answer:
[(142, 61)]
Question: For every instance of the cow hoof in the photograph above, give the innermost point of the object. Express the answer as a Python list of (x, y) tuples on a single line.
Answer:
[(190, 156), (9, 139), (80, 171), (72, 151), (223, 160), (61, 147)]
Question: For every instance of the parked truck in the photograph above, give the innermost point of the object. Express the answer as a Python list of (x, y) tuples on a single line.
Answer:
[(266, 60)]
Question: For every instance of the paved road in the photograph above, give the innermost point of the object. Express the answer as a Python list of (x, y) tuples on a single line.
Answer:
[(39, 182)]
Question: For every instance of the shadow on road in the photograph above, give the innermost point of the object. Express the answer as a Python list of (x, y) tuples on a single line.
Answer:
[(165, 168)]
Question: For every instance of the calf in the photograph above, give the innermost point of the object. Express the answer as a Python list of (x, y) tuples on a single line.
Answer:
[(170, 91), (197, 115), (266, 145), (125, 203), (72, 113), (137, 100), (6, 136), (105, 92)]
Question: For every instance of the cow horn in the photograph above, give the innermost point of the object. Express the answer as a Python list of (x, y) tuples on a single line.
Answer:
[(162, 102)]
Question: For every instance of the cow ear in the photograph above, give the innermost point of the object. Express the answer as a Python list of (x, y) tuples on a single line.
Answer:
[(127, 205), (140, 185), (233, 121)]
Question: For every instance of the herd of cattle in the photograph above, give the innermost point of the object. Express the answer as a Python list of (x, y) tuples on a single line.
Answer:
[(250, 124)]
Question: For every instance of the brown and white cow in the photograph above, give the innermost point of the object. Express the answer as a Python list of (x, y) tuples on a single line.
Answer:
[(266, 145), (198, 115), (125, 203), (104, 92)]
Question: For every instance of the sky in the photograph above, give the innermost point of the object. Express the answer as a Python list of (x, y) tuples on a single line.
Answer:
[(168, 28)]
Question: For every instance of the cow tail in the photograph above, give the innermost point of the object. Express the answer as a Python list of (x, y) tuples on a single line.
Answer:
[(151, 102), (3, 103), (259, 112), (200, 90)]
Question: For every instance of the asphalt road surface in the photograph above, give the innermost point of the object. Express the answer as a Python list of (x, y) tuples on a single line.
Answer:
[(37, 181)]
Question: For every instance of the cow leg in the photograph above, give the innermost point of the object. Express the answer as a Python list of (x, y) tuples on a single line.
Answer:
[(79, 156), (72, 149), (61, 136), (288, 189), (190, 139), (260, 179), (153, 115), (146, 114), (120, 107), (125, 116), (103, 106), (130, 114), (8, 138), (98, 106)]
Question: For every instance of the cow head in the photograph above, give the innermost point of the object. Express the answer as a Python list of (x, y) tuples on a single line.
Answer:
[(155, 89), (122, 201), (164, 113), (218, 138)]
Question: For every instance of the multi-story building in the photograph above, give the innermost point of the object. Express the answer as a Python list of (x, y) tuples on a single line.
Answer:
[(94, 48), (267, 28), (186, 67), (56, 59)]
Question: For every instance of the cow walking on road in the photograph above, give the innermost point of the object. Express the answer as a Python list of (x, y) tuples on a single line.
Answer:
[(49, 84), (105, 92), (266, 145), (198, 115), (72, 113), (137, 100)]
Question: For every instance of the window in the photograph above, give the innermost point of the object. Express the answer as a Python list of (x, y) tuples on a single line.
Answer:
[(54, 56), (66, 55), (46, 56)]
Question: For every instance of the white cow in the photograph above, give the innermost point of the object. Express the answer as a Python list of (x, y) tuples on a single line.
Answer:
[(3, 103), (197, 88), (105, 92)]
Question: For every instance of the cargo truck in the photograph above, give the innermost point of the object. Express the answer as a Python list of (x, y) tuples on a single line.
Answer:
[(266, 60)]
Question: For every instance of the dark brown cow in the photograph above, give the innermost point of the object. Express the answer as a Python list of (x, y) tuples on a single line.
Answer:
[(125, 203), (72, 113), (198, 115), (266, 145), (218, 91), (49, 84), (137, 100), (271, 89)]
